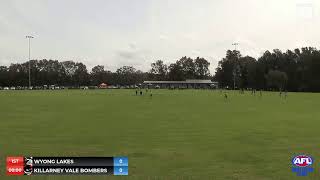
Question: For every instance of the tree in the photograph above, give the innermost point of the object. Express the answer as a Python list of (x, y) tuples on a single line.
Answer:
[(70, 69), (277, 79), (176, 72), (159, 70), (4, 76), (97, 69), (126, 75), (188, 67), (201, 68), (18, 75), (228, 70), (245, 63), (47, 72), (81, 75), (98, 75)]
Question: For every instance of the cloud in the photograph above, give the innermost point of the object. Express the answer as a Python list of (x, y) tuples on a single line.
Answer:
[(132, 55), (163, 37), (305, 11), (191, 36), (196, 53), (123, 54), (133, 46), (129, 52)]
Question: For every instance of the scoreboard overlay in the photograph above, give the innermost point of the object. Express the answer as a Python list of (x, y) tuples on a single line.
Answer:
[(19, 165)]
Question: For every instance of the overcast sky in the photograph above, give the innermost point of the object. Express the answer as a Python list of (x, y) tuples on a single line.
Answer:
[(137, 32)]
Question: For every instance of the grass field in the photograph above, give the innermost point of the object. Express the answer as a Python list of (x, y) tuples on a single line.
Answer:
[(179, 134)]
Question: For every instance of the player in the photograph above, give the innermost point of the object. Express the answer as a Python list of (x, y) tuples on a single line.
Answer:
[(285, 94), (136, 92), (225, 96)]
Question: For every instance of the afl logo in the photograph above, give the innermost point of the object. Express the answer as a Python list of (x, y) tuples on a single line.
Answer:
[(302, 161)]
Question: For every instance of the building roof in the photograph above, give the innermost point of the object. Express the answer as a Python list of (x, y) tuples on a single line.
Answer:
[(198, 81), (188, 81)]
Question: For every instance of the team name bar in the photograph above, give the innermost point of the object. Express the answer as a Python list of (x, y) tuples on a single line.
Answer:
[(17, 166)]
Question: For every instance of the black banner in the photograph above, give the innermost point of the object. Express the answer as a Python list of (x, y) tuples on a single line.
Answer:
[(72, 161), (79, 170)]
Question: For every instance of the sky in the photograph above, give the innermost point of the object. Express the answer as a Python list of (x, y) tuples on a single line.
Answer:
[(114, 33)]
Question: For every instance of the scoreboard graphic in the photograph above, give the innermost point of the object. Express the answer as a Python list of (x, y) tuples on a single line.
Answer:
[(19, 166)]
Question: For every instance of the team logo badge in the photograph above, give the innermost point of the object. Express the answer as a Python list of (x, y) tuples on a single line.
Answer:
[(302, 165), (28, 165)]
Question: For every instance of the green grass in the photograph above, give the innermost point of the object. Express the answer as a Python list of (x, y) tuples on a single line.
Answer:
[(180, 134)]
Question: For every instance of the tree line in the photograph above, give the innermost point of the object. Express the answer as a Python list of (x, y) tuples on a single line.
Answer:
[(76, 74), (293, 70)]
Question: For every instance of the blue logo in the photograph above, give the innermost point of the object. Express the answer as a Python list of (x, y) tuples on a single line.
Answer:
[(302, 165)]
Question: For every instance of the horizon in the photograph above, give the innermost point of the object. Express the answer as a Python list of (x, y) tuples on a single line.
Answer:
[(212, 73)]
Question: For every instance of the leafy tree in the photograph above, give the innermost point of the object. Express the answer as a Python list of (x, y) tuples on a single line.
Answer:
[(277, 79), (176, 72), (70, 69), (159, 70), (4, 76), (126, 75), (201, 68), (98, 75), (245, 63), (228, 71), (188, 67), (81, 75)]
